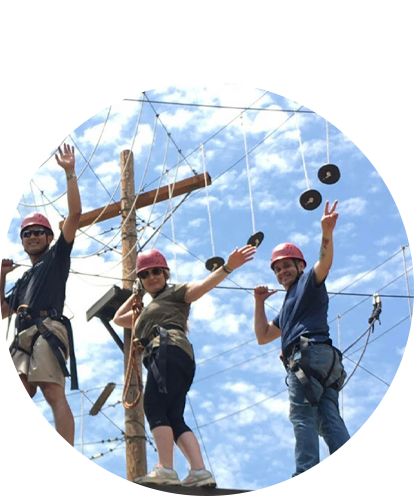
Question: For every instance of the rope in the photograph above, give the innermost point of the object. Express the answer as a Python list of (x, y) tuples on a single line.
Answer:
[(301, 148), (208, 200), (327, 141), (132, 367), (248, 173), (172, 223), (392, 109)]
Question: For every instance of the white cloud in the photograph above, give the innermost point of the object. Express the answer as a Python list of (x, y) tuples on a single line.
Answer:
[(353, 206)]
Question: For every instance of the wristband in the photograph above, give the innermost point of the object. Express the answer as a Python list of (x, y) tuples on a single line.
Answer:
[(226, 269), (69, 176)]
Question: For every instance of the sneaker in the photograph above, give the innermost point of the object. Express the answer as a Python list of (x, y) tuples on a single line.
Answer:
[(62, 468), (18, 465), (199, 478), (347, 487), (297, 486), (160, 475)]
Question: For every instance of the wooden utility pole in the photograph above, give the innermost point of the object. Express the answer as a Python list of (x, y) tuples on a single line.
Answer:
[(136, 456), (136, 461)]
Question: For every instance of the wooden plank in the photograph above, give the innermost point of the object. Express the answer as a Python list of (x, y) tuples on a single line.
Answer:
[(33, 455), (145, 199), (99, 403), (12, 484)]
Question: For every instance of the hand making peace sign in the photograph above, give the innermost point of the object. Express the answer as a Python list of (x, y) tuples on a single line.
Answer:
[(329, 217)]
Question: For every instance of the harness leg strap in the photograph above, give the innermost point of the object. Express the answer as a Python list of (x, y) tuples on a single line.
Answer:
[(160, 373), (54, 342)]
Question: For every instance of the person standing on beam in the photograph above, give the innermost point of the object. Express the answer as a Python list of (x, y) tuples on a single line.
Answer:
[(168, 355), (314, 366), (43, 340)]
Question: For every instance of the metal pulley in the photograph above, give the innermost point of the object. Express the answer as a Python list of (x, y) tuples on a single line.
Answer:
[(329, 174), (256, 239), (310, 199), (402, 144), (214, 263)]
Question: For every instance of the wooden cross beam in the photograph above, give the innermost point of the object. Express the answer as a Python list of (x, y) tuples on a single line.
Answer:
[(144, 199)]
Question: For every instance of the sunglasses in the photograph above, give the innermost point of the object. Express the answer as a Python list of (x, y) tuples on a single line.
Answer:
[(37, 232), (146, 273)]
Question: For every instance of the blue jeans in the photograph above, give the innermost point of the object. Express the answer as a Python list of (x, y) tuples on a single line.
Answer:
[(324, 419)]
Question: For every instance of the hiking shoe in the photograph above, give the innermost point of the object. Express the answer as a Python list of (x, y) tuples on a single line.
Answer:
[(347, 487), (199, 478), (160, 475), (297, 486), (18, 465), (62, 468)]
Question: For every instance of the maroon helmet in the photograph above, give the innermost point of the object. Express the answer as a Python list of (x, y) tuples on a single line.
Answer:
[(286, 250)]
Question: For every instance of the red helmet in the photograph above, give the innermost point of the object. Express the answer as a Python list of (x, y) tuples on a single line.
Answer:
[(149, 259), (35, 219), (286, 250)]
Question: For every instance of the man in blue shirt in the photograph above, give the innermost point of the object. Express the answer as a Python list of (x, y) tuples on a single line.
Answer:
[(314, 366)]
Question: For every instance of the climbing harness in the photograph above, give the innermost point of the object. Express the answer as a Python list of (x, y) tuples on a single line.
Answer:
[(304, 372), (140, 346), (27, 317)]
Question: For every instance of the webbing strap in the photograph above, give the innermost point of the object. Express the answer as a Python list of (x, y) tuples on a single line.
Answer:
[(304, 372), (160, 371), (73, 368), (54, 342)]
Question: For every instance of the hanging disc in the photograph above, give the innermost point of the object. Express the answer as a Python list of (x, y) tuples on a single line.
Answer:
[(402, 144), (310, 199), (329, 174), (214, 263), (256, 239)]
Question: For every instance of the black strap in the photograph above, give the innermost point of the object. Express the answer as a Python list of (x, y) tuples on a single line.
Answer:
[(56, 344), (304, 372), (160, 372), (73, 368)]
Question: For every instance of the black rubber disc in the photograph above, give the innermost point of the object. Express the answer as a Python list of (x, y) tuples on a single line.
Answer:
[(214, 263), (329, 174), (256, 239), (310, 199), (402, 144)]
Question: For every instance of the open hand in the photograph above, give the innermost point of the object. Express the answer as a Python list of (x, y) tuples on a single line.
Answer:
[(239, 257), (66, 159)]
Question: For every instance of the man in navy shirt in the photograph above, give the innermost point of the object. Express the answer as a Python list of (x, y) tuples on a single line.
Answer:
[(43, 341), (314, 366)]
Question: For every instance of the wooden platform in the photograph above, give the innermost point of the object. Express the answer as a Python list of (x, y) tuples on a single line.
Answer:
[(12, 484), (42, 485)]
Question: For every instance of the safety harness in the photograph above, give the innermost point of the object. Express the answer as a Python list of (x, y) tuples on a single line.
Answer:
[(304, 372), (27, 317)]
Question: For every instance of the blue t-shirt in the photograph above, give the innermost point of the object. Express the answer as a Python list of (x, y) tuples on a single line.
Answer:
[(304, 311)]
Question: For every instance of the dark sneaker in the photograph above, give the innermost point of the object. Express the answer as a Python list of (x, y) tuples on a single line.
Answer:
[(17, 465), (297, 486), (347, 487), (62, 468)]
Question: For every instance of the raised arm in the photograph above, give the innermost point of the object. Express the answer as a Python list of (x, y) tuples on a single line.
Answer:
[(7, 266), (328, 222), (197, 289), (66, 160), (265, 331)]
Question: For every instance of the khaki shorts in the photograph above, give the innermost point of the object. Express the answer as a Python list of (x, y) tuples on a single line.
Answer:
[(42, 365)]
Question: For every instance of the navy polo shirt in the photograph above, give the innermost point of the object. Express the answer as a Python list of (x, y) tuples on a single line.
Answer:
[(304, 311)]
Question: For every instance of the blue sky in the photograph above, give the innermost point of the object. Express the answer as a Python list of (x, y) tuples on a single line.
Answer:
[(245, 421)]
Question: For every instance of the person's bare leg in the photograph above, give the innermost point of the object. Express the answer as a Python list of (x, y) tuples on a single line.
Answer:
[(30, 388), (190, 448), (19, 391), (55, 395), (164, 440)]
